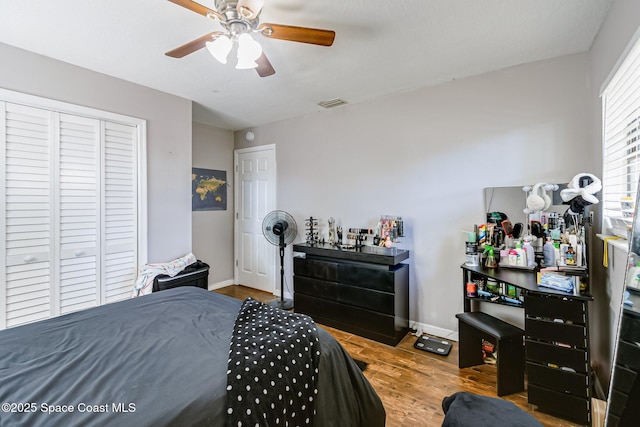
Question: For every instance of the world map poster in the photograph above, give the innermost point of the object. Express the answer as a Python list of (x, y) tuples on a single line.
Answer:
[(208, 190)]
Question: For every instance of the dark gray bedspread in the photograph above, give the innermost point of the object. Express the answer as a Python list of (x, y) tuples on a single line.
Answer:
[(157, 360)]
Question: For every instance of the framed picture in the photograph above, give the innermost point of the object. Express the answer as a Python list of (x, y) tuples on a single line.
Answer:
[(208, 190)]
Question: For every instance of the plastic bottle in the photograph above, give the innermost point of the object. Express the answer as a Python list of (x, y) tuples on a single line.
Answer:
[(491, 259), (549, 252), (531, 254), (522, 255), (471, 254), (513, 257), (570, 257)]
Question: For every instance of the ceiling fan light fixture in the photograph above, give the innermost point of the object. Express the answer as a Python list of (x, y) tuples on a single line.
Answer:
[(249, 51), (220, 48), (246, 64), (250, 8)]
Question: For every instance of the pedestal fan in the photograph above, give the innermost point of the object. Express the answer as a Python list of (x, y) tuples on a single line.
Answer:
[(279, 228)]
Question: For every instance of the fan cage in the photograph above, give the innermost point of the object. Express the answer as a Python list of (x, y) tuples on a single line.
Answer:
[(272, 219)]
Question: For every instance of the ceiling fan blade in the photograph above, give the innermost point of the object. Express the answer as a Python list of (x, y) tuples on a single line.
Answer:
[(298, 34), (192, 46), (249, 8), (264, 69), (197, 8)]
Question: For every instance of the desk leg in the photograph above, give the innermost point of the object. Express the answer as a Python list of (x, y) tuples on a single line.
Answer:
[(467, 302)]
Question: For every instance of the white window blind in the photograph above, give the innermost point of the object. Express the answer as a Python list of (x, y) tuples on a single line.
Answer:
[(621, 125)]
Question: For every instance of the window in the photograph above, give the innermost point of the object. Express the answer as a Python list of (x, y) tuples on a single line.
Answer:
[(621, 132)]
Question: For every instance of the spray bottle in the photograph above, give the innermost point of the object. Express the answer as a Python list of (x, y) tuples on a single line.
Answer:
[(491, 259)]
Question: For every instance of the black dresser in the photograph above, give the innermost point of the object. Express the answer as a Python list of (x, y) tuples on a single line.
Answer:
[(364, 291)]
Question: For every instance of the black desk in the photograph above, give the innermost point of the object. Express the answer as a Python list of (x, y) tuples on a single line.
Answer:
[(523, 280), (556, 341), (364, 291)]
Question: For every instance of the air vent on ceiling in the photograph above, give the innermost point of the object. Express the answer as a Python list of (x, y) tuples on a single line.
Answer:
[(331, 103)]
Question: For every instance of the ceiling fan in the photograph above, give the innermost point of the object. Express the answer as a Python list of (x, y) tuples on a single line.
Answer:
[(240, 19)]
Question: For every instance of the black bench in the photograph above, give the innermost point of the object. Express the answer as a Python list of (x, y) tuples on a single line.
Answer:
[(472, 328)]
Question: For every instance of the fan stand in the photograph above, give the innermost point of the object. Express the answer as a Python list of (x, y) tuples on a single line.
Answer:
[(284, 304)]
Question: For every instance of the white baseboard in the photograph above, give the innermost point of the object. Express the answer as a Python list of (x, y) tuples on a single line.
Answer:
[(214, 286), (422, 328)]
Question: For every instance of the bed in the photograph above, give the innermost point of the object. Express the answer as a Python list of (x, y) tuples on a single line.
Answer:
[(157, 360)]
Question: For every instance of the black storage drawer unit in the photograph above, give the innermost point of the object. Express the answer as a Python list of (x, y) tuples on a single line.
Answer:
[(365, 292), (561, 404), (356, 296), (558, 379), (551, 307), (196, 274), (625, 384), (373, 276), (557, 353), (561, 333), (554, 355)]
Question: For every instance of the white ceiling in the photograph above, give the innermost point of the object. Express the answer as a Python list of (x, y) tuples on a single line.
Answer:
[(381, 47)]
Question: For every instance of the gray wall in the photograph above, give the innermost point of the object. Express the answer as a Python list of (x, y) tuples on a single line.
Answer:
[(168, 135), (427, 155), (213, 230)]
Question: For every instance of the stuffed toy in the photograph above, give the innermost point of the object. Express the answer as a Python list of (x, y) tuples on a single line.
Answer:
[(580, 192)]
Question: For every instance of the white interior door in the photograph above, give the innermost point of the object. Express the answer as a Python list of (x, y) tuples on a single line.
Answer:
[(255, 196)]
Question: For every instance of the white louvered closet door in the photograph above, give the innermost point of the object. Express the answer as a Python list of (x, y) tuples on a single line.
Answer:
[(78, 212), (68, 212), (120, 211), (25, 218)]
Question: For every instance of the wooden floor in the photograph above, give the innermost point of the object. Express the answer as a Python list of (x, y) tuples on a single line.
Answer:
[(410, 382)]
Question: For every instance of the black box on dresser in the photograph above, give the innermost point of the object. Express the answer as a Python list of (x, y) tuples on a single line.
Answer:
[(364, 291)]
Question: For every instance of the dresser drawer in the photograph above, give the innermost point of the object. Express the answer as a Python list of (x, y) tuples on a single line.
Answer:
[(563, 405), (554, 332), (334, 311), (382, 302), (379, 277), (377, 326), (623, 378), (544, 353), (630, 327), (617, 403), (326, 270), (558, 380), (628, 355), (555, 307)]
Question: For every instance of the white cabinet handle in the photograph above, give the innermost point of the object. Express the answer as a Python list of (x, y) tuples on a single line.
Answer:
[(79, 253), (29, 258)]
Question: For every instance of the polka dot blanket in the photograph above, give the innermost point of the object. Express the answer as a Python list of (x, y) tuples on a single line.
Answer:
[(273, 368)]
